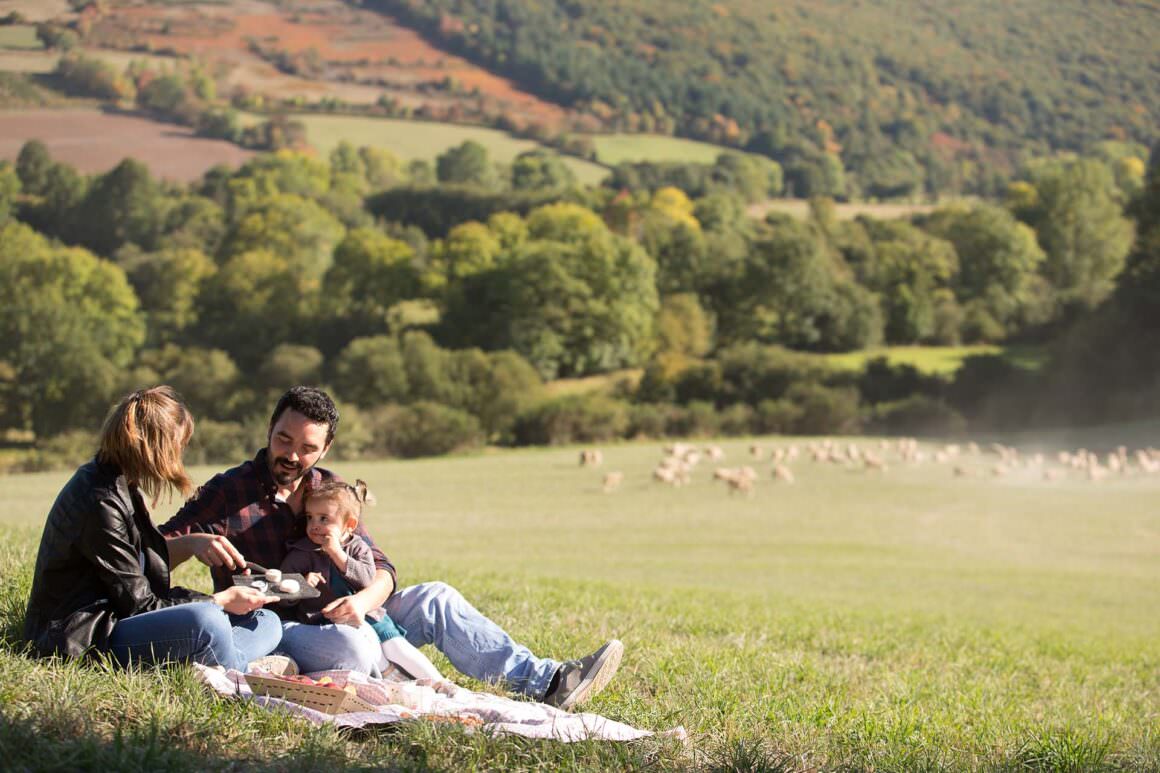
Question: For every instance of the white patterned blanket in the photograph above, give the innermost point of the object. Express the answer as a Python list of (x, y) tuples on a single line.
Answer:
[(398, 701)]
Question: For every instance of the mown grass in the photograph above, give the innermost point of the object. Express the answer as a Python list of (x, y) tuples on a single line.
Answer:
[(411, 140), (910, 621), (613, 149)]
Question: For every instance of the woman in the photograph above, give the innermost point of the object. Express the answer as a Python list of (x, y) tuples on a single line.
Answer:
[(102, 574)]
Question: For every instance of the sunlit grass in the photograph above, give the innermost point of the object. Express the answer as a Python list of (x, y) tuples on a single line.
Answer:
[(912, 620), (938, 360), (410, 140)]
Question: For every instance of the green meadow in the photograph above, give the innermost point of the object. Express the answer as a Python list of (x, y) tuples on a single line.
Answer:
[(938, 360), (906, 620), (19, 36), (612, 149), (410, 140)]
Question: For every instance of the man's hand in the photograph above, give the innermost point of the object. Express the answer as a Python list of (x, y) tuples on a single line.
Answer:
[(348, 610), (314, 579), (215, 550)]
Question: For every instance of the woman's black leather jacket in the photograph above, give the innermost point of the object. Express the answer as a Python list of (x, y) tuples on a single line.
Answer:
[(101, 560)]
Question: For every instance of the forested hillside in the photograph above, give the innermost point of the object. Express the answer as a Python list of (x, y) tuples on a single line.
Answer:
[(854, 97)]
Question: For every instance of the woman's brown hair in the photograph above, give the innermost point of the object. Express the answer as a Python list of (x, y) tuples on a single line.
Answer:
[(144, 436)]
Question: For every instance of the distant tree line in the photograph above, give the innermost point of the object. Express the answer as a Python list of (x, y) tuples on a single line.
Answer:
[(297, 269)]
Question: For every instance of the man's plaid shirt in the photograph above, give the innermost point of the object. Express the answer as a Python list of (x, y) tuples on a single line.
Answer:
[(240, 504)]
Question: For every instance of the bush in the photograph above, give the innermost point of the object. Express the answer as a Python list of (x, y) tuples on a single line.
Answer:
[(778, 417), (60, 452), (752, 372), (917, 415), (572, 419), (825, 410), (648, 420), (881, 382), (427, 429), (737, 419), (697, 419), (222, 442)]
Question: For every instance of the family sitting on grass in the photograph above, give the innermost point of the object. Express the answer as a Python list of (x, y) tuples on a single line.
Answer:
[(102, 577)]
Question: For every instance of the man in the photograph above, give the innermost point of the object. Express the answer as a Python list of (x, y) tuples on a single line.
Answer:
[(251, 512)]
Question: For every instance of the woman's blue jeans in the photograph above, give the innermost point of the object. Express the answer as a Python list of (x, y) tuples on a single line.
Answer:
[(201, 632)]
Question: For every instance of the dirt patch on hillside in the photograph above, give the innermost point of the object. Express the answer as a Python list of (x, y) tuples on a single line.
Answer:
[(321, 48), (93, 141)]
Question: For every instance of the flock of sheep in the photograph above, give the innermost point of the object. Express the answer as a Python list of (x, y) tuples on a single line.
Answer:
[(679, 461)]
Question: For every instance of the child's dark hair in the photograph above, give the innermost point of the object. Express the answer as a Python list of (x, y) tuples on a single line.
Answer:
[(312, 403), (351, 498)]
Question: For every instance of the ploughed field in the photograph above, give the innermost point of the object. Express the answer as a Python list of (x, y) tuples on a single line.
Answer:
[(93, 141), (897, 619)]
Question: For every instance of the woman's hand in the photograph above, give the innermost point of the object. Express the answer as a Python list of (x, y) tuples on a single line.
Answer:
[(241, 600), (314, 579), (210, 549)]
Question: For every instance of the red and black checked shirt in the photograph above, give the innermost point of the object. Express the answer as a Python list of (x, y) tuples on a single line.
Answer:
[(240, 504)]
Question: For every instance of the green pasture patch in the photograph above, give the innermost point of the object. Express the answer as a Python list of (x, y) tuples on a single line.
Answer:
[(937, 360), (843, 210), (604, 383), (906, 620), (613, 149), (21, 37), (425, 140)]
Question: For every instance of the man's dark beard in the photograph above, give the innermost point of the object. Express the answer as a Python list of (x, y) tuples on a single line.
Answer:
[(283, 477)]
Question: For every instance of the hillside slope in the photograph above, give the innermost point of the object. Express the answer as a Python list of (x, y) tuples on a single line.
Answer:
[(909, 95)]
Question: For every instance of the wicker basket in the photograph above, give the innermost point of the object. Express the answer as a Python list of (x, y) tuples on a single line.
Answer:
[(328, 700)]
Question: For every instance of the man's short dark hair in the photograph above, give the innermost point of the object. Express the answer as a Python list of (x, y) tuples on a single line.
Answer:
[(312, 403)]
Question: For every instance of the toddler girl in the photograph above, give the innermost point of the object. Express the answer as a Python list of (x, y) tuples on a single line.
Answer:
[(338, 563)]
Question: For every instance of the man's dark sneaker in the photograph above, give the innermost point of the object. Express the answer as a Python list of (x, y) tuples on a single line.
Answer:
[(577, 680)]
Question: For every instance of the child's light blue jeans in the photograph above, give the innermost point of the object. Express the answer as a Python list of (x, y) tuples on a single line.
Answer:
[(432, 613), (200, 631)]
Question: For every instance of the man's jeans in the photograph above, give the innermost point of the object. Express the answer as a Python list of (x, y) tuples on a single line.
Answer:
[(432, 613), (200, 631)]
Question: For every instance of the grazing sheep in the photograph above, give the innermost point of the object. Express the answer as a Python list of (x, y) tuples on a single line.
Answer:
[(591, 457), (741, 484), (999, 470), (782, 473), (756, 451), (961, 471), (714, 453), (872, 461), (1050, 475), (666, 475), (612, 481)]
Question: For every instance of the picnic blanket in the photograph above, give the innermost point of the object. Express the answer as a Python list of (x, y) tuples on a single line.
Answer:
[(442, 701)]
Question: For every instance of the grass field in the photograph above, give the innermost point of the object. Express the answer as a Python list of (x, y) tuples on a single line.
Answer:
[(938, 360), (800, 209), (906, 621), (21, 37), (424, 140), (613, 149)]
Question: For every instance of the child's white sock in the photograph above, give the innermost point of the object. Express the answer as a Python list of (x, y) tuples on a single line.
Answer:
[(407, 657)]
